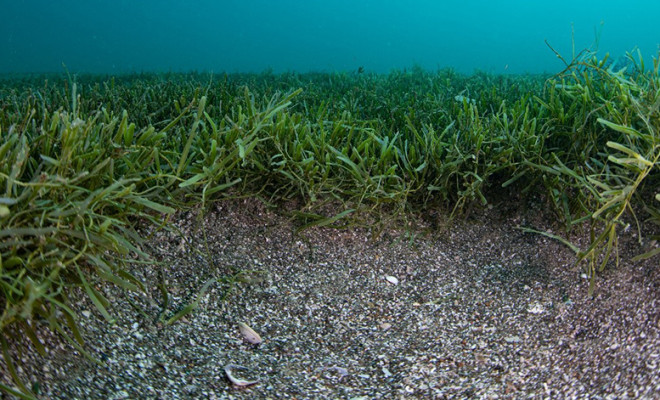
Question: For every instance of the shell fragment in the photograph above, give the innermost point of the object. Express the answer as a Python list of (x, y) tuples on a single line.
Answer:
[(229, 369), (249, 334), (392, 279), (385, 326)]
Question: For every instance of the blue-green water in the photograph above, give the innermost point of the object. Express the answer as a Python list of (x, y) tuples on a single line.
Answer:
[(301, 35)]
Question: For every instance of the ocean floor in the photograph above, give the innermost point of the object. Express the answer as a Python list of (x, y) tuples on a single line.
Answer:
[(474, 309)]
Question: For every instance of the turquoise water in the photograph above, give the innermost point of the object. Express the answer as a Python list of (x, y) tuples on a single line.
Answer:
[(303, 35)]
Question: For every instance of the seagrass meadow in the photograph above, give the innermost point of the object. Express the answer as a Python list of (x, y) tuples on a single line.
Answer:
[(87, 161)]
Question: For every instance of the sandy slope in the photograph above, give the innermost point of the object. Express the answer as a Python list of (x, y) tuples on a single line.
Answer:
[(480, 310)]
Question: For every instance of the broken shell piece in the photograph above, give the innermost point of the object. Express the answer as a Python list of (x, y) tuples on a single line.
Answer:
[(249, 334), (392, 279), (342, 372), (229, 368), (385, 326)]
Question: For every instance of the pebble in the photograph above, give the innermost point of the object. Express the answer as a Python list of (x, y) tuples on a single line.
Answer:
[(190, 389), (122, 394), (536, 308)]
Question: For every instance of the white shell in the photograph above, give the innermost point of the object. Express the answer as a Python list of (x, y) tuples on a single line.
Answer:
[(249, 334), (236, 381), (392, 279)]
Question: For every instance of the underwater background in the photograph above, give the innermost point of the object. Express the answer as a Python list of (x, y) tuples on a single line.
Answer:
[(120, 118), (125, 36)]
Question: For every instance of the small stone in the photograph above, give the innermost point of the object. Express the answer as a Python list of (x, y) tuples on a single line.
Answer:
[(122, 394), (86, 314), (536, 308), (342, 372), (271, 290), (512, 339), (190, 389)]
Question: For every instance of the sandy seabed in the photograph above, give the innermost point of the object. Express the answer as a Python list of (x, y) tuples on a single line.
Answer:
[(477, 309)]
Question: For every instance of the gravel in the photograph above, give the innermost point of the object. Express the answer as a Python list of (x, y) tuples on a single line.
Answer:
[(474, 309)]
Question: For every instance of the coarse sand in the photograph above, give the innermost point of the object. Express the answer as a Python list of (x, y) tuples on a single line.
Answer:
[(472, 309)]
